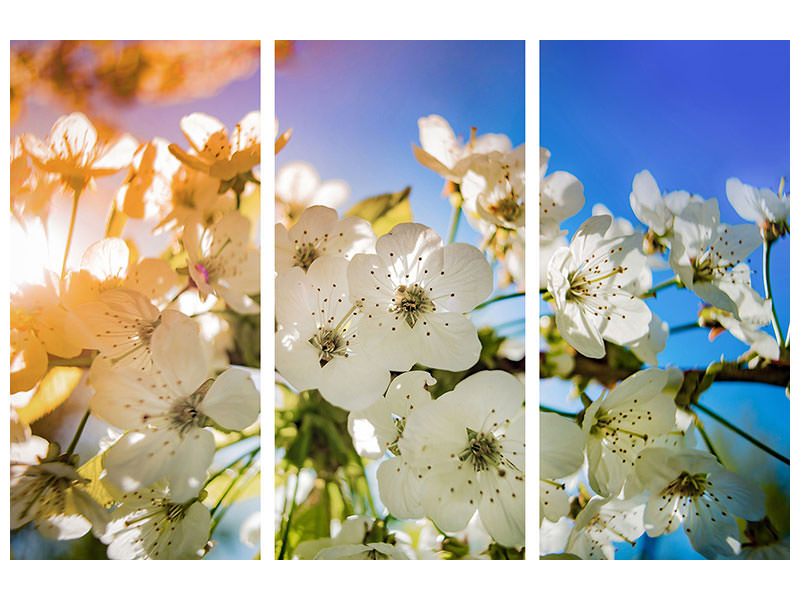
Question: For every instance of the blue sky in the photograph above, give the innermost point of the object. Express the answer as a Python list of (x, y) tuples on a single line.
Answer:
[(353, 107), (693, 114)]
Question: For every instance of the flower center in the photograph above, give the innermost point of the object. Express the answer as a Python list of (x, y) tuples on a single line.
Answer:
[(507, 208), (687, 485), (482, 451), (185, 413), (304, 255), (329, 343), (704, 268), (411, 302)]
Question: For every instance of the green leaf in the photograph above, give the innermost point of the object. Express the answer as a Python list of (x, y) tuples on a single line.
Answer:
[(100, 489), (245, 488), (54, 389), (562, 556), (384, 211)]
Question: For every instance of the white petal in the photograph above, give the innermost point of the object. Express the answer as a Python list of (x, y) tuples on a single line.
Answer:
[(233, 400), (445, 341), (353, 382), (502, 506), (400, 488), (178, 353), (187, 468), (465, 279)]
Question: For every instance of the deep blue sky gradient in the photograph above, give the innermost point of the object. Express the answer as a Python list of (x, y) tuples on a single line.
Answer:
[(694, 114)]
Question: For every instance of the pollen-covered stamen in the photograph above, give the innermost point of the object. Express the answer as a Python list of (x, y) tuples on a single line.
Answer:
[(304, 255), (411, 302), (139, 336), (507, 208), (330, 343), (482, 451), (687, 485), (400, 426), (185, 413)]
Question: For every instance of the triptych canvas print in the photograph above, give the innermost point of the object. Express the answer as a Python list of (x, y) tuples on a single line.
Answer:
[(395, 280)]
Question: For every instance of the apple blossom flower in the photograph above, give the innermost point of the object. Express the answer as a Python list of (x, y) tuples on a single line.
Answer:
[(228, 160), (494, 189), (48, 491), (41, 325), (618, 427), (298, 186), (587, 281), (146, 188), (655, 210), (32, 189), (166, 412), (754, 314), (762, 206), (602, 522), (319, 343), (193, 198), (73, 152), (360, 538), (319, 232), (708, 256), (151, 524), (127, 328), (470, 446), (444, 154), (690, 487), (221, 263), (413, 293), (106, 265), (561, 445), (398, 480), (560, 197)]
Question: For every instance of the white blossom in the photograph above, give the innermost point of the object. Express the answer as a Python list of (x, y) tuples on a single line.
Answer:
[(708, 256), (151, 524), (690, 487), (319, 343), (320, 232), (587, 281), (413, 293), (443, 153), (469, 446)]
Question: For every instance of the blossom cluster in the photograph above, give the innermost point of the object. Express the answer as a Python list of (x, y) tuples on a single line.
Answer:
[(633, 451), (146, 333), (363, 320)]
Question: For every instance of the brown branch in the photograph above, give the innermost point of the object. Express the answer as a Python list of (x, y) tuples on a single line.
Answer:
[(771, 373)]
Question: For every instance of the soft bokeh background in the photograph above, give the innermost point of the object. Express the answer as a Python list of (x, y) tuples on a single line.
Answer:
[(143, 89), (693, 114), (353, 107)]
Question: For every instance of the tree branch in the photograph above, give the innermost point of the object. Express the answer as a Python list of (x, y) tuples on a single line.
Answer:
[(776, 374)]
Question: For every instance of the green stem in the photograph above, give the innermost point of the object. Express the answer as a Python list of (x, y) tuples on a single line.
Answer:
[(78, 433), (369, 491), (285, 535), (704, 434), (722, 421), (241, 438), (75, 197), (557, 412), (768, 291), (651, 293), (227, 491), (238, 199), (231, 464), (684, 327), (498, 298), (455, 216)]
